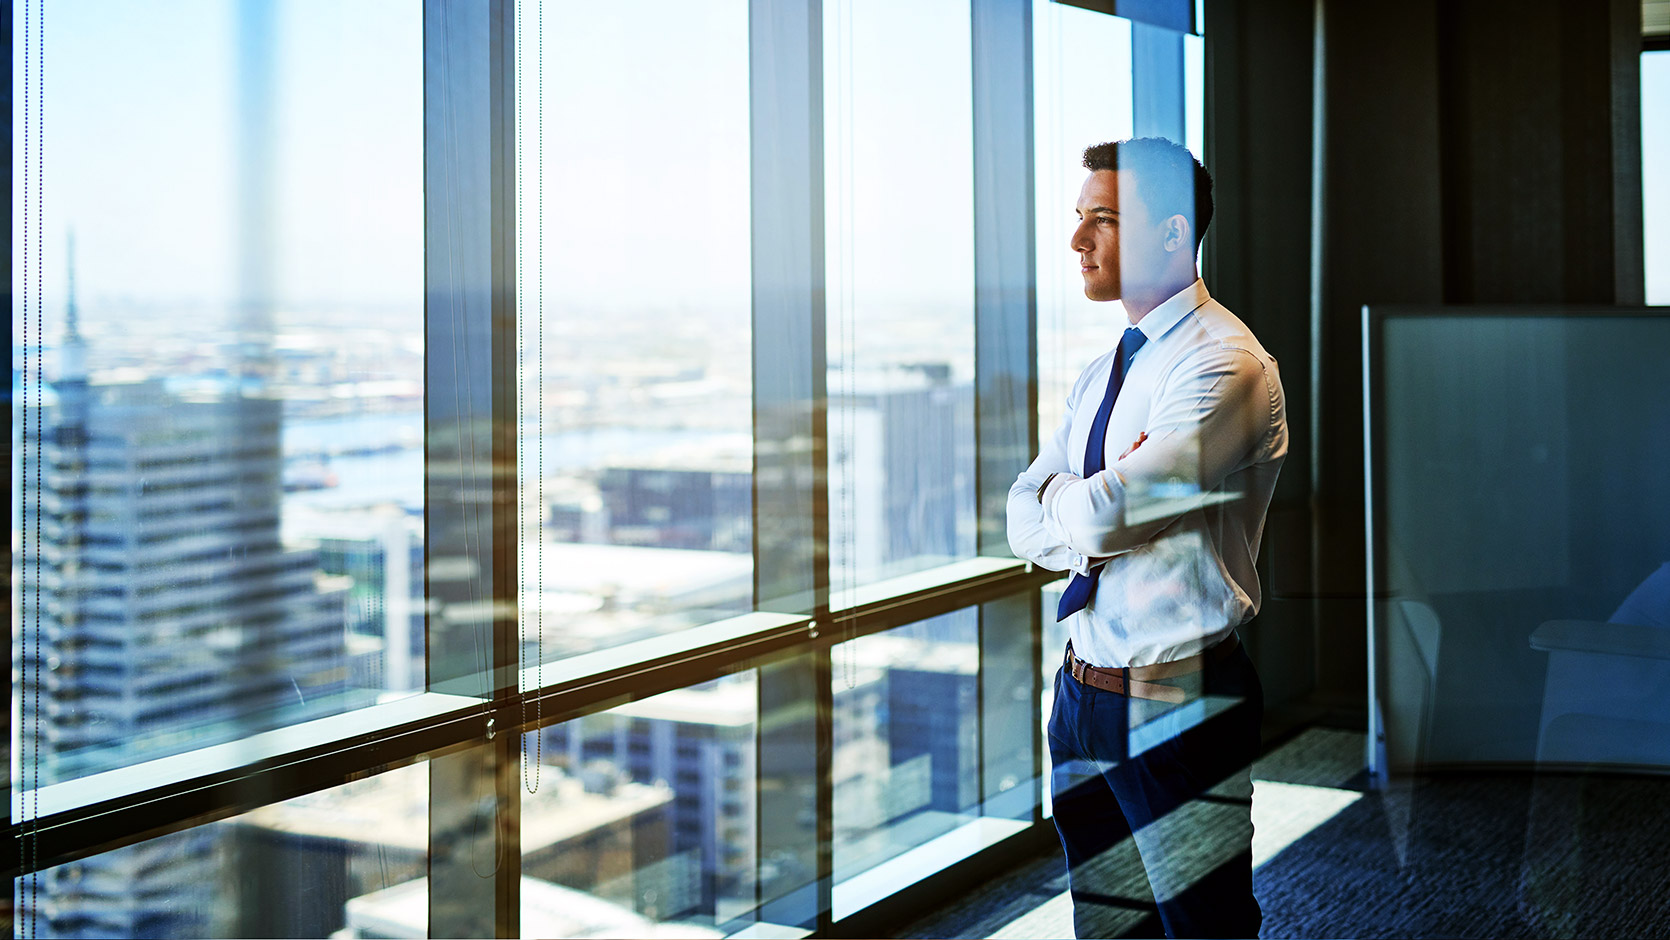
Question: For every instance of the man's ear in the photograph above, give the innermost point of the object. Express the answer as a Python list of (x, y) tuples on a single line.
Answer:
[(1177, 233)]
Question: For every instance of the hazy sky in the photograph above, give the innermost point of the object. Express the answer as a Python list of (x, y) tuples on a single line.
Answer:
[(140, 151), (645, 147)]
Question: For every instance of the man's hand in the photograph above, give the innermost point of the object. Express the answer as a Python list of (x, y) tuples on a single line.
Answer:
[(1134, 445)]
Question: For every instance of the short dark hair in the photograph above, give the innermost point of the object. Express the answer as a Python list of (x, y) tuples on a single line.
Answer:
[(1171, 181)]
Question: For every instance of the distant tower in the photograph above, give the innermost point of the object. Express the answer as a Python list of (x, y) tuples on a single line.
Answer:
[(72, 359)]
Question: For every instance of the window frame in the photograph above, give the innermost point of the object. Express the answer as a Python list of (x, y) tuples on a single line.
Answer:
[(465, 724)]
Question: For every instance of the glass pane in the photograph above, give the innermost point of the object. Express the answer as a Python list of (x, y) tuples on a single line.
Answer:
[(1539, 543), (1054, 650), (906, 764), (636, 422), (1655, 172), (898, 174), (1082, 83), (1194, 95), (219, 404), (640, 821), (345, 862)]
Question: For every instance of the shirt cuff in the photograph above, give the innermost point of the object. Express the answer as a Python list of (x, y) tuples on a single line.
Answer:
[(1079, 564), (1056, 485)]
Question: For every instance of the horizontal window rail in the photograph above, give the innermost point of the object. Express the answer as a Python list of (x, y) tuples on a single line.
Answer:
[(83, 817)]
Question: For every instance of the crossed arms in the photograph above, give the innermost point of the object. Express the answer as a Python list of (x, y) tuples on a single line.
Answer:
[(1211, 415)]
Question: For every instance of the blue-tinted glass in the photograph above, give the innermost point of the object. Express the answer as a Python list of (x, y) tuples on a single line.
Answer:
[(635, 380), (898, 174), (906, 763), (349, 861), (1082, 83), (640, 821), (218, 375)]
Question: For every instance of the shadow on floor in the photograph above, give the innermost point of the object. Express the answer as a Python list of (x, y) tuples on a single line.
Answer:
[(1463, 855)]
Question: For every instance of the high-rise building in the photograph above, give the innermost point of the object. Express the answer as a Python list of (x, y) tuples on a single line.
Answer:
[(165, 611), (160, 611), (901, 470), (315, 861), (380, 549), (673, 506), (700, 742)]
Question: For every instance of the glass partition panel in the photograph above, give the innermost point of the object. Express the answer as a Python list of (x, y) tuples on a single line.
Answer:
[(1520, 537), (899, 177), (342, 863), (218, 375), (635, 379), (640, 820)]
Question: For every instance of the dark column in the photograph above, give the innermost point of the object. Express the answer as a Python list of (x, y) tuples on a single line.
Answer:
[(1378, 240), (1542, 151), (1485, 152), (1260, 75)]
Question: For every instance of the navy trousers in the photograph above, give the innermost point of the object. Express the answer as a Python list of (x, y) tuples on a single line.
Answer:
[(1175, 784)]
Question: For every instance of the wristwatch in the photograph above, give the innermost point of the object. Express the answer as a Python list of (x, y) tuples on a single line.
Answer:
[(1044, 486)]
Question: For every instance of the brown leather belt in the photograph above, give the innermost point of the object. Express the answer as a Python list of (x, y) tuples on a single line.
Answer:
[(1136, 681)]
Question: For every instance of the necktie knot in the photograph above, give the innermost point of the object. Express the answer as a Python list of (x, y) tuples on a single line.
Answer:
[(1134, 338)]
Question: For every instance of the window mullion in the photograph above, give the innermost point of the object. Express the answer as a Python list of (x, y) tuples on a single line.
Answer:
[(470, 455), (791, 454)]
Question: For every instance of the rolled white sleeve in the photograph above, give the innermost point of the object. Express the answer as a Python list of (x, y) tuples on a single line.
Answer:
[(1210, 420)]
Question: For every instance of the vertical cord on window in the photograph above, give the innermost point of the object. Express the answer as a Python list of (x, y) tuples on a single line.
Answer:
[(522, 593), (29, 543), (531, 766), (539, 412)]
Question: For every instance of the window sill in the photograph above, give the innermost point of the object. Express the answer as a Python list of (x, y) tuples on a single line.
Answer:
[(902, 871), (113, 807)]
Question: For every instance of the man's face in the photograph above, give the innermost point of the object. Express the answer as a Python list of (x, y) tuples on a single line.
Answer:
[(1120, 248)]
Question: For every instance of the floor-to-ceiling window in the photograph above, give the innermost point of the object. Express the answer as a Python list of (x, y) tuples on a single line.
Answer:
[(523, 466)]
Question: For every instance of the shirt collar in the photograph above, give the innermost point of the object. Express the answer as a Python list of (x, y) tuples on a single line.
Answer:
[(1173, 309)]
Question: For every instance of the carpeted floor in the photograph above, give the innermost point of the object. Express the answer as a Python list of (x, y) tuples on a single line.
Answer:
[(1483, 855)]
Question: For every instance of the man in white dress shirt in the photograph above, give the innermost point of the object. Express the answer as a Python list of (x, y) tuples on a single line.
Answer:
[(1153, 494)]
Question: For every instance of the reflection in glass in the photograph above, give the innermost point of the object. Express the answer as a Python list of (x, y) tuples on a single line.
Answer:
[(218, 502), (1053, 651), (347, 862), (898, 159), (1082, 88), (906, 764), (217, 430), (635, 379), (642, 819)]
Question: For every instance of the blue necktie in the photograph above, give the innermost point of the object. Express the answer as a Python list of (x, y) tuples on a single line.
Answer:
[(1082, 588)]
